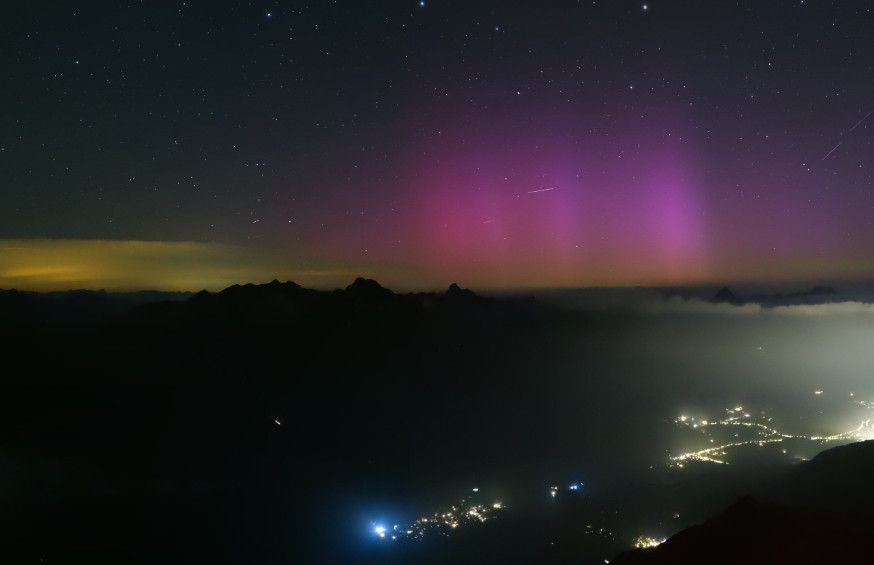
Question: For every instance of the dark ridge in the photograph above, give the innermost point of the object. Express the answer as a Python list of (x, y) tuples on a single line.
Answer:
[(755, 532), (815, 295), (287, 307), (822, 512), (75, 308), (456, 292), (200, 295), (821, 290)]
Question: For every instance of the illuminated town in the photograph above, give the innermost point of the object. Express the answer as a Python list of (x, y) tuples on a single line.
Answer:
[(644, 542), (746, 429), (467, 511), (737, 427)]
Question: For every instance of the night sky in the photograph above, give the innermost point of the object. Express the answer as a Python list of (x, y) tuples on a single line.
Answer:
[(195, 144)]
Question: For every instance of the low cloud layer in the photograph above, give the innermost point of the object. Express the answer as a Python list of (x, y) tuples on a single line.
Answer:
[(700, 307)]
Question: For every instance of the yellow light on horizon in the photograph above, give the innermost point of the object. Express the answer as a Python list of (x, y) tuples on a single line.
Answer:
[(128, 265)]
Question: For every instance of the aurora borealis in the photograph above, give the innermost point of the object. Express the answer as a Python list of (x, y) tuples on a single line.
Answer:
[(505, 145)]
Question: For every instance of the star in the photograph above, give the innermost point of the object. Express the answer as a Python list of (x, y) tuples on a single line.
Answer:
[(645, 7)]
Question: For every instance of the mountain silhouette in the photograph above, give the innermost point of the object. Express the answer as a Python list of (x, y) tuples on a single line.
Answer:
[(816, 295), (725, 295), (282, 307), (368, 289), (455, 292)]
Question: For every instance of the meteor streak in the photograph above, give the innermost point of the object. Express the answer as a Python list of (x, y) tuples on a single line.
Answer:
[(542, 190), (833, 149), (860, 122)]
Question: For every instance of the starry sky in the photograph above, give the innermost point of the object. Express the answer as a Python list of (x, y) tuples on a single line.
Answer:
[(194, 144)]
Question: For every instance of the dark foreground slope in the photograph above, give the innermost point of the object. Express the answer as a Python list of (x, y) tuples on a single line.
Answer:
[(822, 512)]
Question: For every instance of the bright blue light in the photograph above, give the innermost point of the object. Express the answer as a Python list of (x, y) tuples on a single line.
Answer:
[(576, 487), (379, 530), (421, 3)]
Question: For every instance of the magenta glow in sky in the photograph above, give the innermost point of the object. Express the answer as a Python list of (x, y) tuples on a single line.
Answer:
[(552, 206), (488, 143)]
